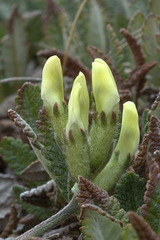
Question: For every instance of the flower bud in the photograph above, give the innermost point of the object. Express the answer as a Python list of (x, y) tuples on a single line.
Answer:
[(126, 147), (52, 83), (129, 136), (104, 87), (77, 151), (78, 106)]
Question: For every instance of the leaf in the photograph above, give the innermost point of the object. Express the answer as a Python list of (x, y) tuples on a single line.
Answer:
[(151, 28), (129, 233), (33, 26), (56, 162), (98, 227), (38, 212), (34, 172), (14, 47), (145, 120), (155, 7), (143, 229), (154, 134), (96, 33), (28, 131), (89, 193), (130, 191), (17, 154), (29, 103), (43, 196), (6, 183), (115, 50), (151, 209), (134, 46), (53, 27), (156, 107), (136, 22)]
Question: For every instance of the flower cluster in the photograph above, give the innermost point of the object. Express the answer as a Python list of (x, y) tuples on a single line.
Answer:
[(87, 147)]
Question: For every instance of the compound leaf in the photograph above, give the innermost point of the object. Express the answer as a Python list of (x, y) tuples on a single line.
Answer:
[(53, 157), (17, 154), (98, 227), (38, 212), (29, 103)]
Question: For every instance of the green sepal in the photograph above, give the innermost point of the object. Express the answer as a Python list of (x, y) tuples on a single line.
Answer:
[(100, 140), (77, 152)]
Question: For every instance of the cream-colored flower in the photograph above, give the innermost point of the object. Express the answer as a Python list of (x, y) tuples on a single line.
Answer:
[(129, 136), (78, 106), (52, 83), (104, 87)]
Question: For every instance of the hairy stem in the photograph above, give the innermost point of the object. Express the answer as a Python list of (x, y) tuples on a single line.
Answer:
[(72, 31), (51, 222)]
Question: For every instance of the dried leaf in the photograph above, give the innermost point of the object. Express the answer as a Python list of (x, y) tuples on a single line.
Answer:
[(151, 209), (154, 134), (73, 65), (156, 106), (142, 228), (6, 183), (35, 172), (134, 46), (40, 196), (90, 194), (138, 74), (28, 131), (141, 156), (12, 222)]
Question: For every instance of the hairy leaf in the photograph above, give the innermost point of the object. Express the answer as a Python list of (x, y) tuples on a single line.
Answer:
[(155, 7), (29, 103), (116, 51), (129, 233), (17, 154), (56, 162), (96, 33), (136, 23), (38, 212), (151, 28), (95, 225), (130, 191), (14, 47)]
